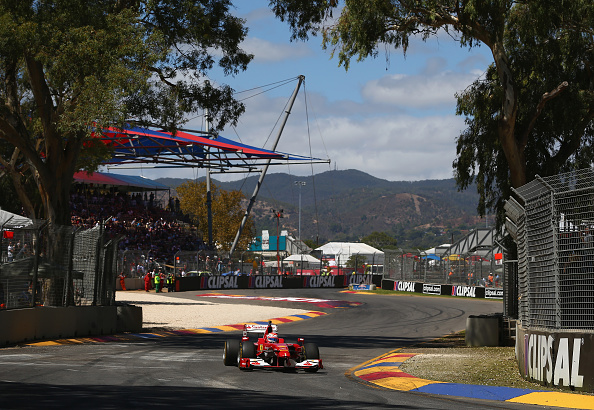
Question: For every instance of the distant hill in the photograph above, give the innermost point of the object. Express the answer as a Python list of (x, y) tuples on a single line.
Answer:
[(350, 204)]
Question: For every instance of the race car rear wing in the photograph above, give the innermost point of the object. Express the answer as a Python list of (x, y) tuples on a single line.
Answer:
[(258, 328)]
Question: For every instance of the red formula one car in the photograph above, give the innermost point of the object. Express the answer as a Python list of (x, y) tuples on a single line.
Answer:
[(270, 352)]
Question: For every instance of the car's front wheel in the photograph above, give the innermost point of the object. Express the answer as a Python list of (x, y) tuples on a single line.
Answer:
[(311, 352), (247, 350)]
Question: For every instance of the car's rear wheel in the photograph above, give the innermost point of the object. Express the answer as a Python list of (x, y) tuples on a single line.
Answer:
[(231, 352)]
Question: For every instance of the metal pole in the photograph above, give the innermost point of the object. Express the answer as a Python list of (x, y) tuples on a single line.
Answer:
[(265, 169), (300, 184), (278, 215), (208, 192)]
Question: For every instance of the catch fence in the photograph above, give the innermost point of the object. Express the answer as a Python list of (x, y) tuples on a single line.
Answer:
[(462, 269), (47, 265), (552, 221)]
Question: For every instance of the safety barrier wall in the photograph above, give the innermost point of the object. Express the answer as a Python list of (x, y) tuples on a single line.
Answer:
[(438, 289), (26, 325), (332, 281), (560, 358), (131, 284), (274, 282)]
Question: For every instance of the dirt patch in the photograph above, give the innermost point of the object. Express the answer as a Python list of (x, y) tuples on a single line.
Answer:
[(449, 360)]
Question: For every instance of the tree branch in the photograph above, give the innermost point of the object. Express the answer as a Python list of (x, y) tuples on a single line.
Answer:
[(15, 175), (41, 93), (544, 99)]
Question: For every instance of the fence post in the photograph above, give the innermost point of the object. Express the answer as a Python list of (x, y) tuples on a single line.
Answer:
[(68, 284), (37, 250), (98, 249)]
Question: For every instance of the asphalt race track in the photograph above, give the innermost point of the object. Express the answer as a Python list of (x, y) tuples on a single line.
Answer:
[(188, 371)]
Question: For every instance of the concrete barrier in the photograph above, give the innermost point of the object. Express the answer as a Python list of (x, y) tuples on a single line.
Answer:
[(556, 358), (129, 318), (41, 323), (483, 330), (131, 284)]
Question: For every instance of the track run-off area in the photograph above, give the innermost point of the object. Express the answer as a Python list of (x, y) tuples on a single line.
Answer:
[(185, 369)]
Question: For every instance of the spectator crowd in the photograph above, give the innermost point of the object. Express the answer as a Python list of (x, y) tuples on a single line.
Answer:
[(144, 223)]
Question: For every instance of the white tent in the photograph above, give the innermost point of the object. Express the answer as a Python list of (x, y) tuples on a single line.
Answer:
[(299, 258), (340, 252), (8, 220)]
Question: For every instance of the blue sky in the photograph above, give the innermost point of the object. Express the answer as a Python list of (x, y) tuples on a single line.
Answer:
[(392, 117)]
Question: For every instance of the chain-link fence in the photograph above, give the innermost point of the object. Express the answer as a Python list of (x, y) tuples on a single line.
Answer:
[(552, 221), (201, 262), (48, 265), (463, 269)]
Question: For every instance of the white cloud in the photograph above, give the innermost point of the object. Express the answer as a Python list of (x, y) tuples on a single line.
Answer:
[(400, 126), (418, 91), (266, 52), (394, 148)]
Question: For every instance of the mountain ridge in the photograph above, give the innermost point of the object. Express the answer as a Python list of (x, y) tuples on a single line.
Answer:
[(350, 204)]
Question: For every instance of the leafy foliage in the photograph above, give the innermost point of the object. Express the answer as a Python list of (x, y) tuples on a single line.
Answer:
[(227, 213), (380, 240), (311, 243), (71, 67), (551, 50), (355, 261), (533, 112)]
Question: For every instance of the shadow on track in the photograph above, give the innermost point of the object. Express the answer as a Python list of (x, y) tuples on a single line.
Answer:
[(35, 396), (215, 341)]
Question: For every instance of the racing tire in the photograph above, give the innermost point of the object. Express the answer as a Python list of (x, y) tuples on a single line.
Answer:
[(311, 352), (231, 353), (248, 350)]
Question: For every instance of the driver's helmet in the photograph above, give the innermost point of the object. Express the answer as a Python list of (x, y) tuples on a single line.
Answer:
[(272, 338)]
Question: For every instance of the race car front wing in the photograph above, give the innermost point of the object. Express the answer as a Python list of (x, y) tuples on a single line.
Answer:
[(250, 363)]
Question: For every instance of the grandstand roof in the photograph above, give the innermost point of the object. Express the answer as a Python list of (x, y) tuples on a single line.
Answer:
[(136, 146), (124, 182)]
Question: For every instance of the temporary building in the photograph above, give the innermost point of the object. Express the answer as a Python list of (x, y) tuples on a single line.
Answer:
[(8, 220), (302, 261), (338, 253)]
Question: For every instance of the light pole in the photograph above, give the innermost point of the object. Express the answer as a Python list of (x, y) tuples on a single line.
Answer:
[(300, 184), (277, 215)]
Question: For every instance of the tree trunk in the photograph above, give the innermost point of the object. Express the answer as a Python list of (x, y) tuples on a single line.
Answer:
[(55, 194), (16, 177), (514, 151)]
